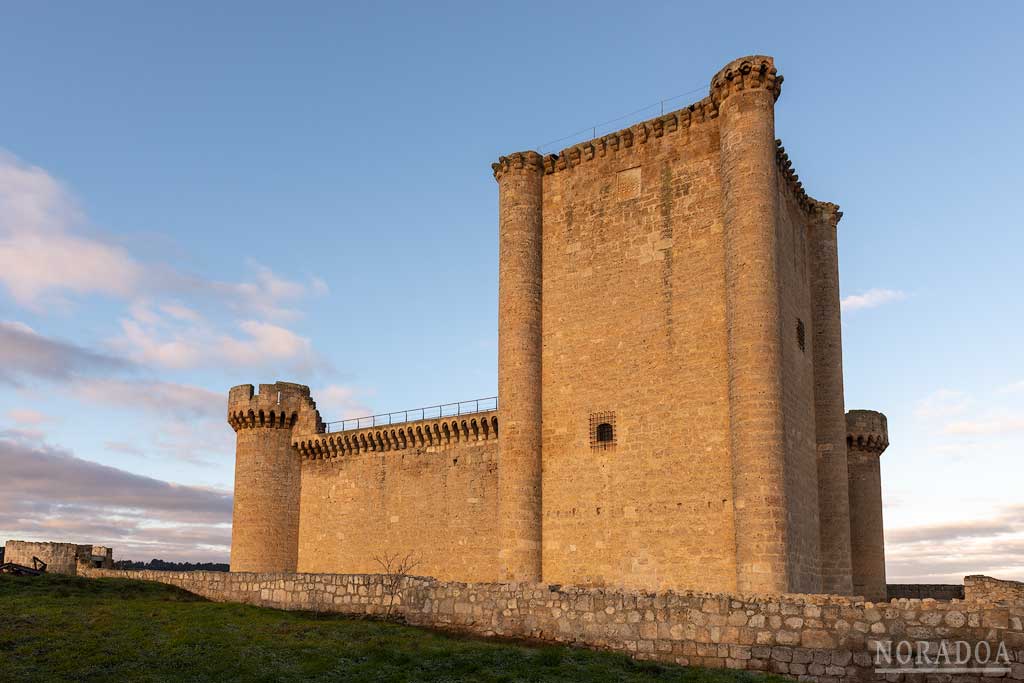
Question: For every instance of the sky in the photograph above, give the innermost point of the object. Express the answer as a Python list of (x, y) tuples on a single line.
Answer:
[(200, 195)]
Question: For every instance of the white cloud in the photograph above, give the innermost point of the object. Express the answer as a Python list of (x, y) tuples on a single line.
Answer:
[(46, 254), (942, 403), (1013, 388), (180, 312), (337, 402), (871, 299), (264, 341), (27, 416), (40, 252), (178, 342), (986, 426), (166, 399), (946, 552)]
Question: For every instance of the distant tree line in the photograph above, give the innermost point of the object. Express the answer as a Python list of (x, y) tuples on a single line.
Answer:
[(163, 565)]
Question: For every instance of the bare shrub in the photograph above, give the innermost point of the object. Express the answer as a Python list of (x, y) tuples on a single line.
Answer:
[(395, 569)]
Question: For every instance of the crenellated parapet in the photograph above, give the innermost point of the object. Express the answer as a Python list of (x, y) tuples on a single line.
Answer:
[(518, 162), (746, 73), (867, 431), (282, 405), (431, 434)]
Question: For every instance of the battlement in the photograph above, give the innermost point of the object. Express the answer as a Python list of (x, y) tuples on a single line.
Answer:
[(282, 405), (745, 73), (867, 430), (430, 433)]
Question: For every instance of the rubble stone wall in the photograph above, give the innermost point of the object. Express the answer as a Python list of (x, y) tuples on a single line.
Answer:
[(936, 591), (819, 638), (985, 589)]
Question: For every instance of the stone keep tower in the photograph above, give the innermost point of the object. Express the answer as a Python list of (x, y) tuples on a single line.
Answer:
[(670, 357), (867, 437), (265, 519)]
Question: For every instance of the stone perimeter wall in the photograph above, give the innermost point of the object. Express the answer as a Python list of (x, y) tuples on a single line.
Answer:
[(936, 591), (819, 638)]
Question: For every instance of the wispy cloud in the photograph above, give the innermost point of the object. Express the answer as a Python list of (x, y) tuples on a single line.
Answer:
[(992, 425), (27, 416), (871, 299), (152, 339), (168, 399), (946, 552), (337, 402), (942, 403), (49, 494), (1013, 388), (48, 254), (26, 354), (41, 250)]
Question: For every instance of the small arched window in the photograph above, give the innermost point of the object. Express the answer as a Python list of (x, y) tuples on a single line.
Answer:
[(605, 433)]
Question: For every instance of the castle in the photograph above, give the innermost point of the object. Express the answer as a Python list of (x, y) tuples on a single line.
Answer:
[(670, 390)]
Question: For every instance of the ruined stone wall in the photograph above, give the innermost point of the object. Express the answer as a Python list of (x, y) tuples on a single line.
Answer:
[(820, 638), (985, 589), (60, 558), (432, 497), (635, 335)]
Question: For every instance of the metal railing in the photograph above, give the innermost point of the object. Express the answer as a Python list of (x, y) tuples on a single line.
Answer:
[(478, 405)]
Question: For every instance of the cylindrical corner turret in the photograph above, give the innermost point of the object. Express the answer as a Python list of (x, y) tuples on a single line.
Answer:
[(520, 179), (867, 436), (744, 93), (829, 408), (265, 518)]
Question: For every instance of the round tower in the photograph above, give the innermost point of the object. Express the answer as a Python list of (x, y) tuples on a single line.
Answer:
[(867, 436), (744, 93), (520, 187), (265, 518), (829, 408)]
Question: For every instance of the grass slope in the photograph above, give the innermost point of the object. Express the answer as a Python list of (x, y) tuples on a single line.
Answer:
[(55, 628)]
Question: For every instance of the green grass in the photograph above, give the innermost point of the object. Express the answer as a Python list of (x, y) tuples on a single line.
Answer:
[(55, 628)]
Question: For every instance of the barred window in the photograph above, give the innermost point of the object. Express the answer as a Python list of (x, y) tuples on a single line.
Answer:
[(602, 430)]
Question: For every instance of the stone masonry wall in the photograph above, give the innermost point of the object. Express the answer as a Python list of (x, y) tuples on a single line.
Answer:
[(797, 350), (819, 638), (936, 591), (985, 589), (436, 504), (635, 335)]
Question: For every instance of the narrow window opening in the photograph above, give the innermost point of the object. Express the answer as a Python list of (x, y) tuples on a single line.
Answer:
[(800, 336), (602, 430)]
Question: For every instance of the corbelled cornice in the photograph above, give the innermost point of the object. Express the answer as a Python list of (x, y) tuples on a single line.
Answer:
[(746, 73)]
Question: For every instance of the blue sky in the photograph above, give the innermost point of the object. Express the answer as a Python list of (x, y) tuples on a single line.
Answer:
[(193, 197)]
